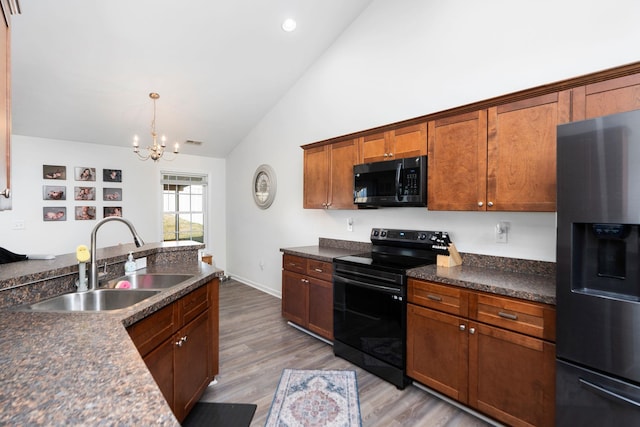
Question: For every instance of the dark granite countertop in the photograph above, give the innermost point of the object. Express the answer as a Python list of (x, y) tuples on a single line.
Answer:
[(82, 368), (526, 286), (320, 253), (524, 279)]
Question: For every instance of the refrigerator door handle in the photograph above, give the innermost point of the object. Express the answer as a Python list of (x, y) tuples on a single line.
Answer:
[(602, 391)]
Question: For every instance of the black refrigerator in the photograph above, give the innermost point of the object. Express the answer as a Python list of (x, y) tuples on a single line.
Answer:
[(598, 272)]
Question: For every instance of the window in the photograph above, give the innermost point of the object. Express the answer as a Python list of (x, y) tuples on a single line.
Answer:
[(183, 207)]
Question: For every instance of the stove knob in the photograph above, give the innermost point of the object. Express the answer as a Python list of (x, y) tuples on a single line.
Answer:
[(383, 233), (423, 236), (375, 233)]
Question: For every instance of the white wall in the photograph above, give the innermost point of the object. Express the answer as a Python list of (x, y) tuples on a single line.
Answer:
[(403, 59), (141, 190)]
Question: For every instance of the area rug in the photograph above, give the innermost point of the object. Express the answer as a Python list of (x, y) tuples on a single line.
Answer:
[(315, 399), (220, 414)]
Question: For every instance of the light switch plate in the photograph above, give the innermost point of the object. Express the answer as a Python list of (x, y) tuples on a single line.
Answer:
[(502, 231)]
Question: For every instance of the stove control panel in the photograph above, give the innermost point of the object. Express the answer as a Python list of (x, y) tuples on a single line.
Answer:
[(436, 240)]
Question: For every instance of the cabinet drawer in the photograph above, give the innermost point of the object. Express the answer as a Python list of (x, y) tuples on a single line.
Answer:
[(192, 304), (294, 263), (537, 320), (439, 297), (320, 269), (151, 331)]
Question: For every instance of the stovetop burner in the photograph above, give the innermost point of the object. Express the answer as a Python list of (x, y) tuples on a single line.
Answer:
[(399, 250)]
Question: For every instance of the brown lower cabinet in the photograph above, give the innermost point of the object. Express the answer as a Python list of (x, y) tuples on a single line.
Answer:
[(502, 366), (307, 294), (179, 345)]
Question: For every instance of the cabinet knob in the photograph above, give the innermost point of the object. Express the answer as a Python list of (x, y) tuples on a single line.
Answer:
[(462, 327), (6, 193), (386, 155), (480, 204), (472, 331), (390, 154), (490, 204)]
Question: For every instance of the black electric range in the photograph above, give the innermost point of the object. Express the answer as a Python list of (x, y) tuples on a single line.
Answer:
[(370, 299)]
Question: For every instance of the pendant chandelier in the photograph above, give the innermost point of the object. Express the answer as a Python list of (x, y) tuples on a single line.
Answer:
[(155, 151)]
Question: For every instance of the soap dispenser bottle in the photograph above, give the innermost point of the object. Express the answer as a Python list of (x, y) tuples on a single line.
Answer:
[(130, 265)]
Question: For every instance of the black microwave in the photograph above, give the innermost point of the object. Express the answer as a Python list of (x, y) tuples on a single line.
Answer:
[(400, 182)]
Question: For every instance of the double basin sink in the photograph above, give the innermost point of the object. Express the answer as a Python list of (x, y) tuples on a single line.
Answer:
[(112, 296)]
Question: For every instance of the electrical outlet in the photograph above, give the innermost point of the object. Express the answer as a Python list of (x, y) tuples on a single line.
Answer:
[(141, 263), (502, 231), (18, 225), (349, 224)]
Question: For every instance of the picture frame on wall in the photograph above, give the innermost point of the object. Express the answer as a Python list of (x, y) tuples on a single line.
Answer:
[(84, 193), (54, 213), (54, 192), (84, 173), (112, 211), (84, 213), (54, 172), (112, 175), (111, 194)]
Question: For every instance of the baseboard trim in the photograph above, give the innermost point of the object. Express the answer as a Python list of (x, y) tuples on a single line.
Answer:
[(458, 405), (255, 285), (306, 331)]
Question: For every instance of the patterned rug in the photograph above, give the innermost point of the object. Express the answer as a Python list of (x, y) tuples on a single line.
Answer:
[(315, 399)]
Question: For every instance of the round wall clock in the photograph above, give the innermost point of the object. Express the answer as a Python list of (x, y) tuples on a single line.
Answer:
[(264, 186)]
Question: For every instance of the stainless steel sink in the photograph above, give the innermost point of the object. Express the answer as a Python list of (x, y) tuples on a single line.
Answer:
[(99, 300), (150, 280)]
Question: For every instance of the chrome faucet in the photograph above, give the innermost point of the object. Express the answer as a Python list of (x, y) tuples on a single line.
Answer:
[(93, 279)]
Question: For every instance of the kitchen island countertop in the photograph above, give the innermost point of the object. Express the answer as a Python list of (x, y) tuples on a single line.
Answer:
[(82, 368)]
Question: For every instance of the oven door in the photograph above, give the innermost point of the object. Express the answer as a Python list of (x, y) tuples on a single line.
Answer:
[(370, 317)]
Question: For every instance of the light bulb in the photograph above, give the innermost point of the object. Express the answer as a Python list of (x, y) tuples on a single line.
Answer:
[(289, 25)]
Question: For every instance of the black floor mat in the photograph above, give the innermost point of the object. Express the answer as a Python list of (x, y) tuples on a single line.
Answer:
[(220, 414)]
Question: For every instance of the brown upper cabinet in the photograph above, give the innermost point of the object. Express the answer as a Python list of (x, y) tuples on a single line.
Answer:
[(608, 97), (406, 141), (328, 175), (497, 159)]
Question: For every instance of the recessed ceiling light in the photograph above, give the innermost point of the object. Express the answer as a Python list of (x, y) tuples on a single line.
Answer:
[(289, 25)]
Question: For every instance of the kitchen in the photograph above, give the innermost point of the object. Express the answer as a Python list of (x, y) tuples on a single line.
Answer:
[(336, 96)]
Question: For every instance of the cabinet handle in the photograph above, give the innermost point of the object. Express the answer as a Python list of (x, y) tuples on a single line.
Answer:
[(319, 270), (462, 327), (434, 298), (490, 204), (472, 331), (6, 193), (508, 315), (181, 341), (480, 204)]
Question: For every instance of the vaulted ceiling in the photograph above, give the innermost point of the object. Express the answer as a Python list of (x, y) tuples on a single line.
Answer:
[(82, 70)]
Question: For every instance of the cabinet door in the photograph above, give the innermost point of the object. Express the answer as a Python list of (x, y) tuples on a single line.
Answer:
[(511, 376), (321, 308), (521, 156), (458, 162), (214, 319), (5, 106), (437, 349), (375, 147), (409, 141), (191, 366), (316, 177), (343, 156), (295, 298), (608, 97), (160, 364)]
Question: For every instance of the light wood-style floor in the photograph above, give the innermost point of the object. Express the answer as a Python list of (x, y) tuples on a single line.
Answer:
[(256, 344)]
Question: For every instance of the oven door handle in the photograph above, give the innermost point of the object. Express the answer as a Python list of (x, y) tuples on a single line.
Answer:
[(379, 288)]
